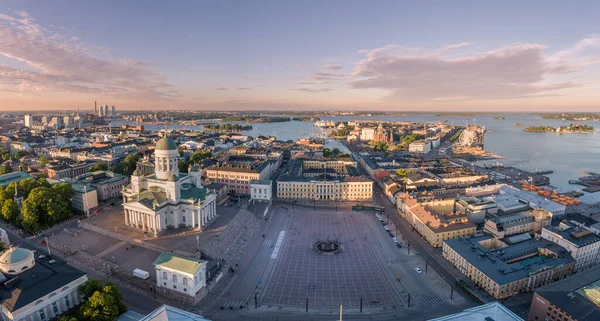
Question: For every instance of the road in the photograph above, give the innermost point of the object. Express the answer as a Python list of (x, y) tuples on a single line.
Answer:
[(414, 240), (134, 300)]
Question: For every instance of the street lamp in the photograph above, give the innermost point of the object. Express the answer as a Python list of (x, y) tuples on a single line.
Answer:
[(197, 243)]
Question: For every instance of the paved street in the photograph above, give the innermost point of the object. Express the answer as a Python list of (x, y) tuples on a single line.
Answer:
[(133, 299)]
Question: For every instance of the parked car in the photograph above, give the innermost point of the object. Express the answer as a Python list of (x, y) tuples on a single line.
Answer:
[(386, 228), (418, 270), (395, 240)]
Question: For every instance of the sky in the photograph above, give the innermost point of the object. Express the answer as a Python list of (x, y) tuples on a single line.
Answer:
[(300, 55)]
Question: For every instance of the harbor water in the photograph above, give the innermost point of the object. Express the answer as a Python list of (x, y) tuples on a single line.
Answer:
[(565, 154)]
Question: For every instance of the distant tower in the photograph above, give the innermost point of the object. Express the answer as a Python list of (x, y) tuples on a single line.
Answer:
[(114, 112), (106, 111), (28, 120), (95, 108)]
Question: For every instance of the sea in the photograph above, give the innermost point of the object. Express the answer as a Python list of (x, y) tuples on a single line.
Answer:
[(565, 154)]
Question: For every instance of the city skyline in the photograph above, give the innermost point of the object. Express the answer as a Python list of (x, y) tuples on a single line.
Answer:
[(484, 57)]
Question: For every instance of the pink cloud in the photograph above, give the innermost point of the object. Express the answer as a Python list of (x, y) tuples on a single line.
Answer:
[(61, 63), (510, 72)]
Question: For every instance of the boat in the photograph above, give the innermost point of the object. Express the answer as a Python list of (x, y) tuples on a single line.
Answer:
[(520, 125), (320, 123), (325, 124)]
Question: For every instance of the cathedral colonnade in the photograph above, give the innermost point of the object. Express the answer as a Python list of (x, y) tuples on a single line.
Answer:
[(146, 222)]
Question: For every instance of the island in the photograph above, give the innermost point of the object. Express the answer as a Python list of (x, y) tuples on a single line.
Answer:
[(227, 127), (499, 118), (256, 119), (306, 118), (539, 129), (573, 128), (574, 116)]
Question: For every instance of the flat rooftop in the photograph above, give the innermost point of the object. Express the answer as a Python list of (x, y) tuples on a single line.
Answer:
[(510, 263), (576, 294)]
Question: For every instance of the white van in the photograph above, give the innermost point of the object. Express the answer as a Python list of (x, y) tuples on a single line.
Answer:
[(141, 274)]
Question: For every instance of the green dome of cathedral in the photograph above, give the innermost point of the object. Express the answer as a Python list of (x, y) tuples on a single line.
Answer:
[(166, 143)]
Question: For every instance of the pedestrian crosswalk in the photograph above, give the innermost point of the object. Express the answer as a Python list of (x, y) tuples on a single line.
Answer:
[(268, 242), (402, 260), (431, 300), (233, 305)]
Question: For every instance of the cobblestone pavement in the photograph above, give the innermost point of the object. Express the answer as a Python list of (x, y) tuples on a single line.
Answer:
[(122, 254), (327, 280)]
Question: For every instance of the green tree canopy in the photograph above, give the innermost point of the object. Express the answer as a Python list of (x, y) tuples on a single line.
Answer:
[(89, 287), (10, 211), (98, 167), (5, 169), (401, 172), (103, 305), (43, 160)]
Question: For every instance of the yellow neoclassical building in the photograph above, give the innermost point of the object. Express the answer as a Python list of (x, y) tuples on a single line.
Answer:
[(333, 180)]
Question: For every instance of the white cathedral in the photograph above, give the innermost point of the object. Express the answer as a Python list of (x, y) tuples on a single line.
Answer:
[(167, 198)]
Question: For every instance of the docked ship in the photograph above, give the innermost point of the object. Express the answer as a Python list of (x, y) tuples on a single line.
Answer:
[(322, 123)]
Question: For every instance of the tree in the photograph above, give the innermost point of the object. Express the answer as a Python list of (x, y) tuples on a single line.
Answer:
[(5, 169), (4, 195), (28, 184), (43, 160), (104, 305), (31, 216), (327, 152), (89, 287), (98, 167), (10, 211), (401, 172), (128, 165), (200, 155), (23, 166)]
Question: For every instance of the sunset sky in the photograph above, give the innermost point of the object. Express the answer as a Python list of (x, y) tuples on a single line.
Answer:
[(301, 55)]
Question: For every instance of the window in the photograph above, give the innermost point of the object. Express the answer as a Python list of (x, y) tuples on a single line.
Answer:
[(165, 283), (67, 302), (42, 315), (184, 290), (55, 308), (164, 275), (183, 219), (185, 281), (174, 278), (174, 286)]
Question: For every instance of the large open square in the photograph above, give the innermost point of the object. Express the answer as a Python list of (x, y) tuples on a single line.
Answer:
[(328, 280)]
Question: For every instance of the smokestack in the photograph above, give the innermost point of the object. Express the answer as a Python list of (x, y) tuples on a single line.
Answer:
[(95, 108)]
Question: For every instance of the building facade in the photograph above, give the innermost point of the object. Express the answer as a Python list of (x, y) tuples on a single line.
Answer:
[(583, 245), (502, 269), (27, 298), (167, 198), (434, 227), (238, 177), (185, 275), (576, 298), (261, 191), (343, 189), (420, 147)]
